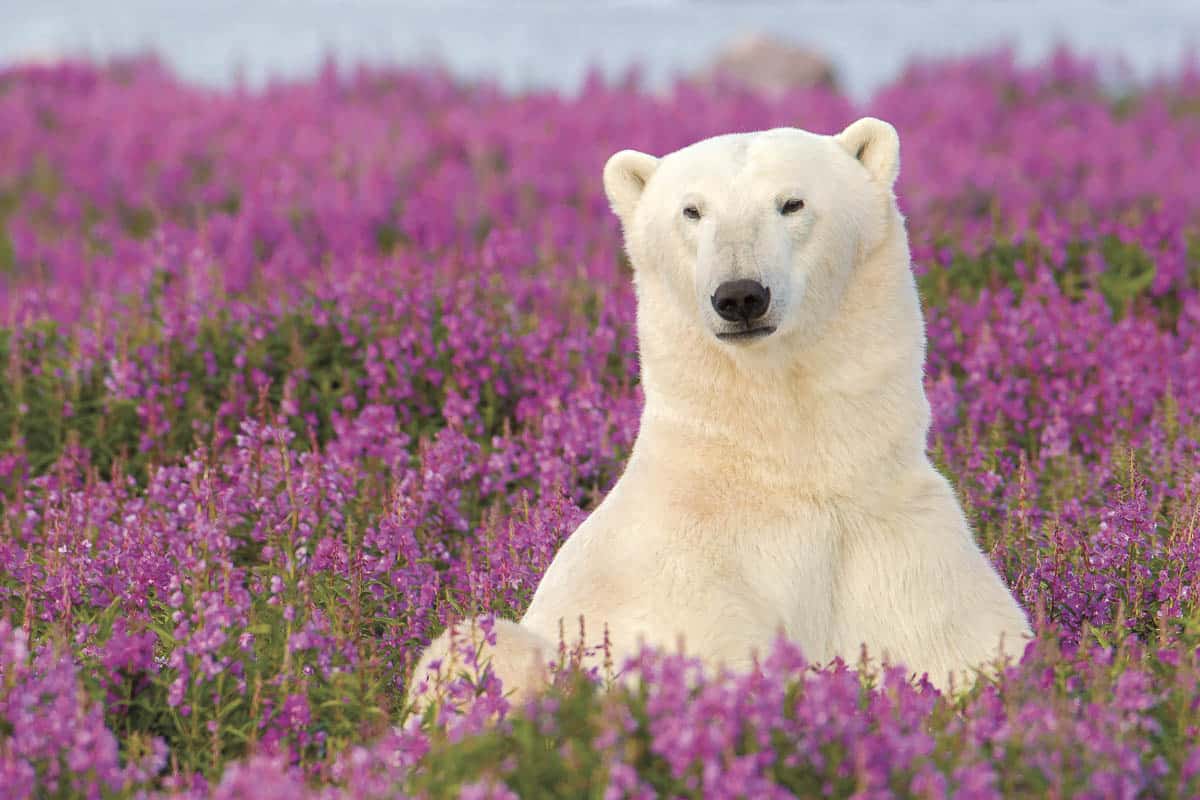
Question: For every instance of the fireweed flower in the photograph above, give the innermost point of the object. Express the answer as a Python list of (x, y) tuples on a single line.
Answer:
[(296, 377)]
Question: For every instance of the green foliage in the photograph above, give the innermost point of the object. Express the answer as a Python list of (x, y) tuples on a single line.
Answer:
[(8, 257), (1127, 275), (1129, 272), (50, 400), (552, 754), (967, 276)]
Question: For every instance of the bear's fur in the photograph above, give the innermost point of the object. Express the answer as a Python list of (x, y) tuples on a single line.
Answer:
[(779, 483)]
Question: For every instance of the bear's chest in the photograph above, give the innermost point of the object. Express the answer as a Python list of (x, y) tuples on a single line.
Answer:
[(762, 570), (787, 567)]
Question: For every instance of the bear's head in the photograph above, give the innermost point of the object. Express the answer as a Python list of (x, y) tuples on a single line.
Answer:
[(749, 240)]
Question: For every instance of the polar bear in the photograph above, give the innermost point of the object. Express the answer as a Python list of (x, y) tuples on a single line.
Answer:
[(779, 482)]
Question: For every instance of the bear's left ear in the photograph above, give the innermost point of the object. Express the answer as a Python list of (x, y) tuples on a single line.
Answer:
[(625, 177), (877, 145)]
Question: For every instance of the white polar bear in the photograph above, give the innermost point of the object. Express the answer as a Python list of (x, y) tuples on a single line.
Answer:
[(779, 481)]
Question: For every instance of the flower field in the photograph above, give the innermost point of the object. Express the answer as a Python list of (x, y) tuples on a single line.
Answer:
[(294, 377)]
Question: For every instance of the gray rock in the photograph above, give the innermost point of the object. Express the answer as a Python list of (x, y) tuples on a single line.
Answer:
[(770, 65)]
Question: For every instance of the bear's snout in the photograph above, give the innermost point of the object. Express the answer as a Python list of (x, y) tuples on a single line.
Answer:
[(741, 301)]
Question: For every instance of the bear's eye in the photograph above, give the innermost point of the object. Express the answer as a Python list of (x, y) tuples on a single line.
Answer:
[(691, 212), (791, 206)]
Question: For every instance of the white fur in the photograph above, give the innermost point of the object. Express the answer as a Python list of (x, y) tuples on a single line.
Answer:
[(781, 483)]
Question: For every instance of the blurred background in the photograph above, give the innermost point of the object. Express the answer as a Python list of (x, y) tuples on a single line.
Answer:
[(860, 44)]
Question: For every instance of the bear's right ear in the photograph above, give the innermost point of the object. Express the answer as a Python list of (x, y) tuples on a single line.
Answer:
[(876, 145), (625, 177)]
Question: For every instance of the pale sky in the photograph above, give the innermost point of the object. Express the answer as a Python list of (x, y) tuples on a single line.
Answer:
[(546, 43)]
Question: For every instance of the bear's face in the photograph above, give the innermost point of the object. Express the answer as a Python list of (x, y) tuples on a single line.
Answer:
[(753, 237)]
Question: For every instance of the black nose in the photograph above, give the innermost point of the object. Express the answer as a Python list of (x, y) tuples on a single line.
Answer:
[(741, 301)]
